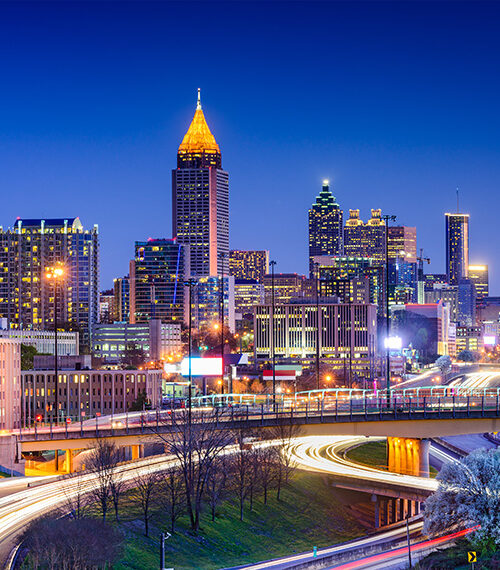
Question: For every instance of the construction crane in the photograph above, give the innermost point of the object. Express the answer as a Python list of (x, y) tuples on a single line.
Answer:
[(421, 260)]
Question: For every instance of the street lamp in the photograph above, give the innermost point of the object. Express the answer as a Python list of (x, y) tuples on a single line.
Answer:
[(190, 283), (55, 274), (272, 264), (222, 256), (387, 218), (316, 271)]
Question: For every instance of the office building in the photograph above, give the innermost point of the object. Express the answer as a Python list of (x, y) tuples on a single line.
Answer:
[(347, 333), (466, 303), (85, 393), (478, 274), (457, 247), (117, 343), (469, 338), (287, 286), (365, 240), (352, 279), (402, 243), (27, 296), (325, 226), (424, 327), (156, 283), (207, 302), (200, 199), (106, 306), (248, 264), (247, 294), (10, 384), (121, 291), (448, 294), (44, 341)]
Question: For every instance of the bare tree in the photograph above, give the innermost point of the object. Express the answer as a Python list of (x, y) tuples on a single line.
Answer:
[(216, 483), (75, 544), (117, 488), (285, 434), (77, 499), (173, 494), (266, 460), (241, 470), (196, 441), (103, 460), (145, 491)]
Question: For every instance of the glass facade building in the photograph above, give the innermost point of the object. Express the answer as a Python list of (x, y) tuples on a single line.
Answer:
[(457, 247), (27, 296)]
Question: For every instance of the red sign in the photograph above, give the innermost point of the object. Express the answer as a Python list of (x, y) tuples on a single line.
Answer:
[(98, 414), (68, 420), (83, 414), (279, 375)]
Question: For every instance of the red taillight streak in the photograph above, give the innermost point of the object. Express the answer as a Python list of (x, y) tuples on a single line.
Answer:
[(399, 551)]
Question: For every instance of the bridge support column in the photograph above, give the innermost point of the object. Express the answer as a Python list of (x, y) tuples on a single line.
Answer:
[(69, 461), (135, 451), (376, 502), (424, 457), (408, 456)]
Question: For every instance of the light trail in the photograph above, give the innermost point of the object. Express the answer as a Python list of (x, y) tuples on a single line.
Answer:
[(322, 453)]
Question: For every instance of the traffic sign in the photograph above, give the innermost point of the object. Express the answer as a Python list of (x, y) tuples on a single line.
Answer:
[(471, 557), (68, 420)]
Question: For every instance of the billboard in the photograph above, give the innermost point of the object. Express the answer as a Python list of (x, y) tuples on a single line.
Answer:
[(202, 366)]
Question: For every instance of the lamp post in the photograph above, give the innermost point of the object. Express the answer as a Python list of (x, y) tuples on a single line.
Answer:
[(316, 271), (387, 218), (272, 264), (222, 256), (55, 273), (190, 283)]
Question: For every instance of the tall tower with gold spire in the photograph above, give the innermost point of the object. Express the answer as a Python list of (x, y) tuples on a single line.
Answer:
[(200, 199)]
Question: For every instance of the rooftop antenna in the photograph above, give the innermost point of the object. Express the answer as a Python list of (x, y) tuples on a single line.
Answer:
[(198, 104), (458, 204)]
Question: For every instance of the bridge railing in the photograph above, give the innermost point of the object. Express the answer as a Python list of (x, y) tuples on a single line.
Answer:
[(340, 404)]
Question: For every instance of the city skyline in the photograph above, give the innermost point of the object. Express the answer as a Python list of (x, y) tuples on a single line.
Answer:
[(101, 151)]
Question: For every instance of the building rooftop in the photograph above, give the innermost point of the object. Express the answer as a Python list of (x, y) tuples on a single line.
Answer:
[(198, 138)]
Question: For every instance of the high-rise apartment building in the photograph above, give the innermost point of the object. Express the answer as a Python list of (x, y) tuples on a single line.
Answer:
[(157, 275), (200, 199), (27, 251), (478, 274), (248, 264), (457, 247), (325, 226)]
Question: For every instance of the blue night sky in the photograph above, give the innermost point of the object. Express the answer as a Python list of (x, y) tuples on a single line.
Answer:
[(397, 104)]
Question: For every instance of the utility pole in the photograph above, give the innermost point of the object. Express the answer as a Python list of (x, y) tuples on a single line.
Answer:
[(272, 264), (408, 539), (387, 218)]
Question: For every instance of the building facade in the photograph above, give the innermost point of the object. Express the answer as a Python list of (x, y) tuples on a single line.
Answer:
[(365, 240), (156, 282), (27, 251), (85, 393), (325, 227), (114, 343), (10, 384), (121, 290), (457, 247), (347, 332), (200, 199), (206, 302), (247, 294), (248, 264), (478, 274), (44, 341), (287, 286)]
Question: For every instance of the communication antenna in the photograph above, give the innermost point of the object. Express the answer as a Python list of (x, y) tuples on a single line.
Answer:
[(458, 203)]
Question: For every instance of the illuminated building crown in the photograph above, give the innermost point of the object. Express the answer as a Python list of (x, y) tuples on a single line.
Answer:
[(198, 147)]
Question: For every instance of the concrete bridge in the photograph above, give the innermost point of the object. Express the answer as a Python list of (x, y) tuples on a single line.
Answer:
[(409, 418)]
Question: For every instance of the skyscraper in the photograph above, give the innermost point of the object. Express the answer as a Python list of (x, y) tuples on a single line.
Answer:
[(402, 243), (478, 274), (200, 199), (27, 296), (365, 240), (248, 264), (156, 281), (325, 226), (457, 247)]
